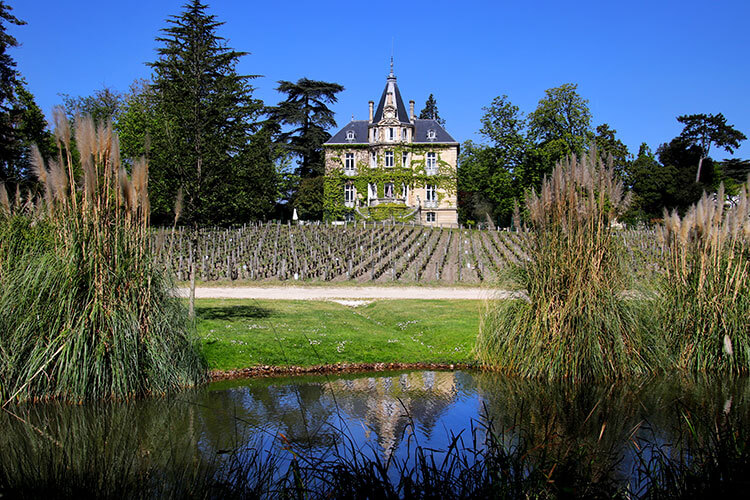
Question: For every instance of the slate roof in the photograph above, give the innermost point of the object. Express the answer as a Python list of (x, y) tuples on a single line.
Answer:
[(360, 133), (401, 112), (422, 127)]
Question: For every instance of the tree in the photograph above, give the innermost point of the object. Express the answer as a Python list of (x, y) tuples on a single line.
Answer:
[(610, 147), (430, 111), (706, 130), (560, 125), (105, 104), (207, 111), (489, 174), (306, 110), (17, 108)]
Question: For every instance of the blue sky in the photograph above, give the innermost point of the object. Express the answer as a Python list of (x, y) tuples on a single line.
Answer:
[(639, 63)]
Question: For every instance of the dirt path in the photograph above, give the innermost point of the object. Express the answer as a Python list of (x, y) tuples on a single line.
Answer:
[(345, 292)]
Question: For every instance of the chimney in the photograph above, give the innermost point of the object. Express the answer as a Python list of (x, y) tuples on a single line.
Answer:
[(411, 110), (371, 105)]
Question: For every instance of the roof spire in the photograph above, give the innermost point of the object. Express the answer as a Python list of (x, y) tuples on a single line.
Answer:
[(391, 75)]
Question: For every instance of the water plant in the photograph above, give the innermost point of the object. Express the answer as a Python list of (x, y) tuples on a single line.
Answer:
[(704, 290), (85, 310), (575, 322)]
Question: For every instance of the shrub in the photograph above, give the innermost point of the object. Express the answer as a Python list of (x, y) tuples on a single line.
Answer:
[(575, 322), (704, 293), (84, 311)]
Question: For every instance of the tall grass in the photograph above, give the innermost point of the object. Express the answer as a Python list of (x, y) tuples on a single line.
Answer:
[(575, 323), (84, 311), (704, 293)]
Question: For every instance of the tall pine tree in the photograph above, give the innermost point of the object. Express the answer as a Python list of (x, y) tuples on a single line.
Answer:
[(207, 113), (21, 121), (430, 111)]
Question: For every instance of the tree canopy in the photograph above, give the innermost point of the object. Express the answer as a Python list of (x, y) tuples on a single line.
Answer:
[(207, 113), (306, 110), (430, 111), (22, 123), (703, 131)]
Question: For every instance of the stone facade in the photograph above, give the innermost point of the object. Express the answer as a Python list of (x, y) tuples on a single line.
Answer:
[(392, 165)]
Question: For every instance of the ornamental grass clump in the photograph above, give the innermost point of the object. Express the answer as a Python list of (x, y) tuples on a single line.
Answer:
[(85, 313), (575, 322), (704, 297)]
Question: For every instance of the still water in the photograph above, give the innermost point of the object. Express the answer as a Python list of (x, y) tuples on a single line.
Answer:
[(386, 415)]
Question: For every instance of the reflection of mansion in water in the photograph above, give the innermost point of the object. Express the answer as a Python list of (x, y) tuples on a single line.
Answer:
[(388, 404)]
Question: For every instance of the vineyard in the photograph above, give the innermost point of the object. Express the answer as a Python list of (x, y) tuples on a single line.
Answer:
[(378, 253)]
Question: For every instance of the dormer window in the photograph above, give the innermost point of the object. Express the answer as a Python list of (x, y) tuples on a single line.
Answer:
[(431, 134), (350, 135)]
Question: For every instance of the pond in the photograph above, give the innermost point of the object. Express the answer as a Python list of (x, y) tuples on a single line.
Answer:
[(617, 433)]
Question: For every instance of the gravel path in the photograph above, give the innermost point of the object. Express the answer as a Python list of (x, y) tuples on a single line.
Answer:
[(345, 292)]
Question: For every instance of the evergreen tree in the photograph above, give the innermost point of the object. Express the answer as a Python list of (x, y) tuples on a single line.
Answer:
[(703, 131), (207, 112), (306, 110), (22, 123), (430, 111)]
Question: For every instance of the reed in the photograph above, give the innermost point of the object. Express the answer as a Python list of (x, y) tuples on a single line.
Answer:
[(704, 292), (575, 322), (84, 310)]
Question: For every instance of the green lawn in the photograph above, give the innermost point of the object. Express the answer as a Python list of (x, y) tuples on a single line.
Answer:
[(240, 333)]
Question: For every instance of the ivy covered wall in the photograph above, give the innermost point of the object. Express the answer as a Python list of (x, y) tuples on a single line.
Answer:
[(413, 175)]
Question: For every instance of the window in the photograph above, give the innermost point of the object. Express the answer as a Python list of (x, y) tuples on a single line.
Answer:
[(389, 158), (372, 190), (431, 134), (349, 193), (388, 190), (391, 134), (403, 134), (431, 163), (430, 216), (373, 159), (350, 135), (349, 163), (404, 159), (431, 193), (375, 134)]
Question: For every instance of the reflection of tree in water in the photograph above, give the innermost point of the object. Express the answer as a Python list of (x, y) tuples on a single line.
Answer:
[(299, 411), (106, 439), (607, 423)]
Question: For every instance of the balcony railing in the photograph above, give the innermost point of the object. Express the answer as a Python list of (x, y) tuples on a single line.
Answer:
[(374, 202)]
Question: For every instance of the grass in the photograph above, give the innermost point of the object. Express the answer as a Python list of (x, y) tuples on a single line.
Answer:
[(575, 324), (239, 334), (704, 291), (85, 311)]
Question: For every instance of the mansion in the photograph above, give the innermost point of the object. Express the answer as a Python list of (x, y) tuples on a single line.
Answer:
[(392, 166)]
